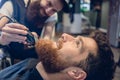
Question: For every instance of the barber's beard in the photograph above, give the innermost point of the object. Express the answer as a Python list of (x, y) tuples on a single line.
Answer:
[(33, 15), (49, 57)]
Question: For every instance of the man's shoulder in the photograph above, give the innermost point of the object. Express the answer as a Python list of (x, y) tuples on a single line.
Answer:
[(18, 69), (6, 2)]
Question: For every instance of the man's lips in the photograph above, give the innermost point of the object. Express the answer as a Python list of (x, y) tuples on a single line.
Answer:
[(59, 43)]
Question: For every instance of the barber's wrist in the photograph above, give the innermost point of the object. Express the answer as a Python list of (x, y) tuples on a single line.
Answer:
[(1, 43)]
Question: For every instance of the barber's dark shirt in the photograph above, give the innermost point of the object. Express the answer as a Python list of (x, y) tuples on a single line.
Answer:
[(16, 50), (34, 75), (24, 70)]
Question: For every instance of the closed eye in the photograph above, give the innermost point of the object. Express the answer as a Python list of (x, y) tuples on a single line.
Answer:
[(77, 43)]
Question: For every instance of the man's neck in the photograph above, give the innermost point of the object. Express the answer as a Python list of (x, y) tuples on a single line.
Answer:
[(48, 76), (42, 71)]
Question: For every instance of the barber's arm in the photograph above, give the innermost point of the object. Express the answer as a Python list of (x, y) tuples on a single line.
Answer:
[(49, 30), (49, 27), (3, 35), (5, 10)]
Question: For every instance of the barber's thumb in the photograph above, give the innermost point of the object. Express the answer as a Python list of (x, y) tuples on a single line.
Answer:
[(35, 34)]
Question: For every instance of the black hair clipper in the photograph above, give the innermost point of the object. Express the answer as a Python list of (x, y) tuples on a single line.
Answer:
[(30, 39)]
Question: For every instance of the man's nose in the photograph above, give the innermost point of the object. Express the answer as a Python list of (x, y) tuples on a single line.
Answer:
[(49, 11), (67, 37)]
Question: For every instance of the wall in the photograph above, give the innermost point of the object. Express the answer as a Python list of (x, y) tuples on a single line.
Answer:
[(114, 28), (105, 15), (73, 28)]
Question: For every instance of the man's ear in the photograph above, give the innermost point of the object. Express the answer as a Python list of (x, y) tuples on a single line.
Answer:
[(77, 74)]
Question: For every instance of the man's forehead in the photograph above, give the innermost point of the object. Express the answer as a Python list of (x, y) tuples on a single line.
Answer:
[(57, 4)]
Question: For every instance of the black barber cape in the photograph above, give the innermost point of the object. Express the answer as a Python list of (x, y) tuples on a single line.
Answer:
[(24, 70)]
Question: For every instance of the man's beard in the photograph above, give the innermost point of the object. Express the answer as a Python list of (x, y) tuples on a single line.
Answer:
[(49, 57), (33, 15)]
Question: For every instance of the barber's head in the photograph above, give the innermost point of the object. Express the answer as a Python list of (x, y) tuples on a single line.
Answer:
[(45, 8), (85, 58)]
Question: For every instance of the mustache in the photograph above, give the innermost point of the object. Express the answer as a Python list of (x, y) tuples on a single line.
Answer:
[(60, 43)]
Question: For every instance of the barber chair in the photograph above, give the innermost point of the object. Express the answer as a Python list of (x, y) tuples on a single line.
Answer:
[(4, 58)]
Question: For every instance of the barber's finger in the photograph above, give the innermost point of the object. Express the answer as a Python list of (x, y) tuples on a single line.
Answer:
[(16, 40), (12, 37), (35, 34), (19, 37), (14, 30), (8, 38), (17, 25)]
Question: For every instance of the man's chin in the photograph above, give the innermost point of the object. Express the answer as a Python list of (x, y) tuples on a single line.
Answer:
[(49, 56), (45, 47)]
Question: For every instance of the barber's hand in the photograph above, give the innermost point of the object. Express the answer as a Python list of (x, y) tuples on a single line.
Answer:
[(32, 38), (12, 33)]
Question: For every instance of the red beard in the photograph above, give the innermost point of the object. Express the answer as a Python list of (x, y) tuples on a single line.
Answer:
[(49, 57)]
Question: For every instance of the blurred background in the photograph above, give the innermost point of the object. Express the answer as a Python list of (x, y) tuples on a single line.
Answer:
[(92, 14), (89, 15)]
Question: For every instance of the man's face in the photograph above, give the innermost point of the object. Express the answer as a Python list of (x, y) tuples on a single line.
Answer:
[(68, 51), (45, 8), (49, 7), (39, 10)]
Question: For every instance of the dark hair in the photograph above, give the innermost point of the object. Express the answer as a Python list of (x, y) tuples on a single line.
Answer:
[(102, 66), (65, 6)]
